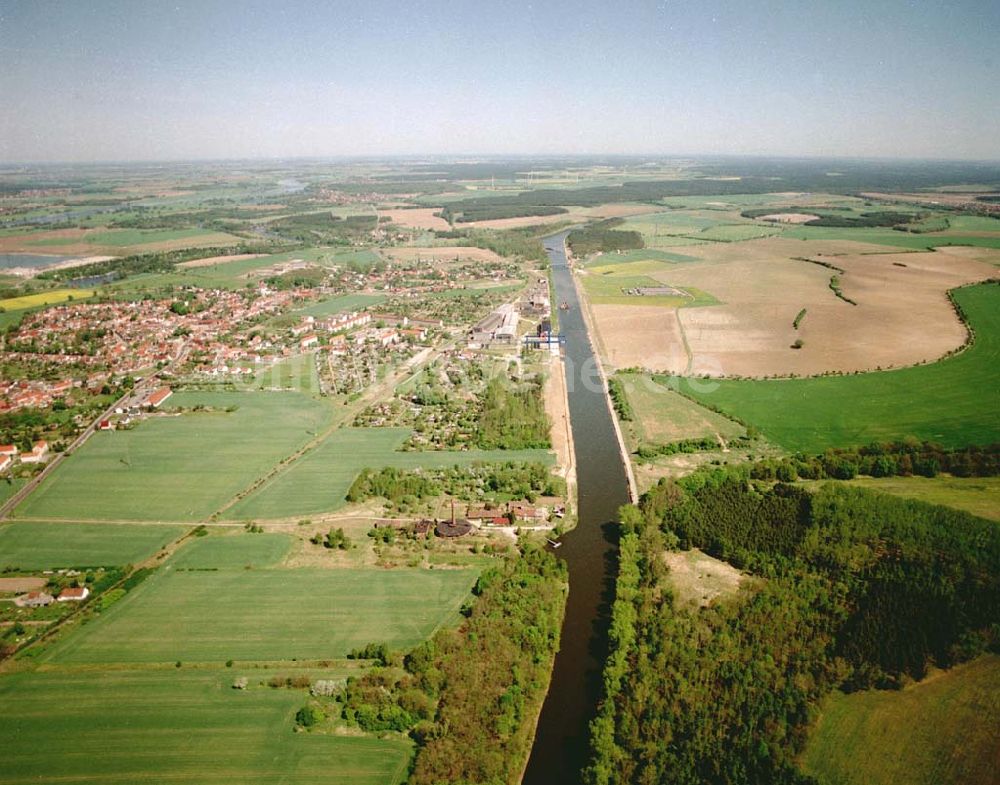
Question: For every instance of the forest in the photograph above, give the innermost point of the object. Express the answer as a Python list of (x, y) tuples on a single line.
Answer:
[(850, 589), (603, 237), (511, 417)]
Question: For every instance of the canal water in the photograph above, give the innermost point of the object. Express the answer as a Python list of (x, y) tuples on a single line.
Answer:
[(590, 551)]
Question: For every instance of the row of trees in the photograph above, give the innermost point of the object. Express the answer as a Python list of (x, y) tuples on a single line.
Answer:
[(854, 589), (479, 481), (883, 459)]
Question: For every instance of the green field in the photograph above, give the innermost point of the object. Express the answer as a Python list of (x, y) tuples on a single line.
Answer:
[(607, 289), (953, 401), (126, 237), (220, 551), (279, 614), (178, 468), (890, 237), (186, 727), (39, 545), (942, 731), (977, 495), (734, 233), (319, 481), (298, 373), (662, 415), (10, 485), (346, 302)]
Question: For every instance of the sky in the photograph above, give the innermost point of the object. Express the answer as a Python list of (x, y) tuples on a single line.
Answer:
[(119, 80)]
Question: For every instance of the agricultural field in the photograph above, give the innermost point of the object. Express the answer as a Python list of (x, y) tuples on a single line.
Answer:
[(334, 305), (318, 482), (610, 286), (267, 614), (661, 415), (187, 726), (298, 374), (947, 402), (607, 260), (417, 218), (232, 551), (178, 238), (179, 468), (749, 327), (41, 545), (47, 297), (944, 730)]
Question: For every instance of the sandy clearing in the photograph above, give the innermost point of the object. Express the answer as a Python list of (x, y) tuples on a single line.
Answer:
[(417, 218), (698, 579), (21, 584), (214, 260), (903, 317), (442, 254), (30, 272), (789, 218), (557, 407)]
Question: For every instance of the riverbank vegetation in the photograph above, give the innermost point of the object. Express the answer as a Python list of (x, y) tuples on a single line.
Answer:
[(468, 697)]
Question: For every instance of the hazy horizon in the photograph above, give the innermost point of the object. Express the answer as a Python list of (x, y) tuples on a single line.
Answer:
[(116, 82)]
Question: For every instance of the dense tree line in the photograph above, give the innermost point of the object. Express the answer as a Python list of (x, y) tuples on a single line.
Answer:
[(485, 481), (883, 459), (853, 589), (158, 262), (603, 237), (512, 417), (468, 697), (650, 451), (616, 391), (485, 211)]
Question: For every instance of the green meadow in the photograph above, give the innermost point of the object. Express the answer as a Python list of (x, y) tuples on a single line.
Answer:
[(661, 415), (181, 726), (232, 551), (953, 401), (607, 288), (179, 468), (891, 237), (944, 730), (319, 481), (42, 545), (267, 614), (334, 305), (977, 495), (126, 237)]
